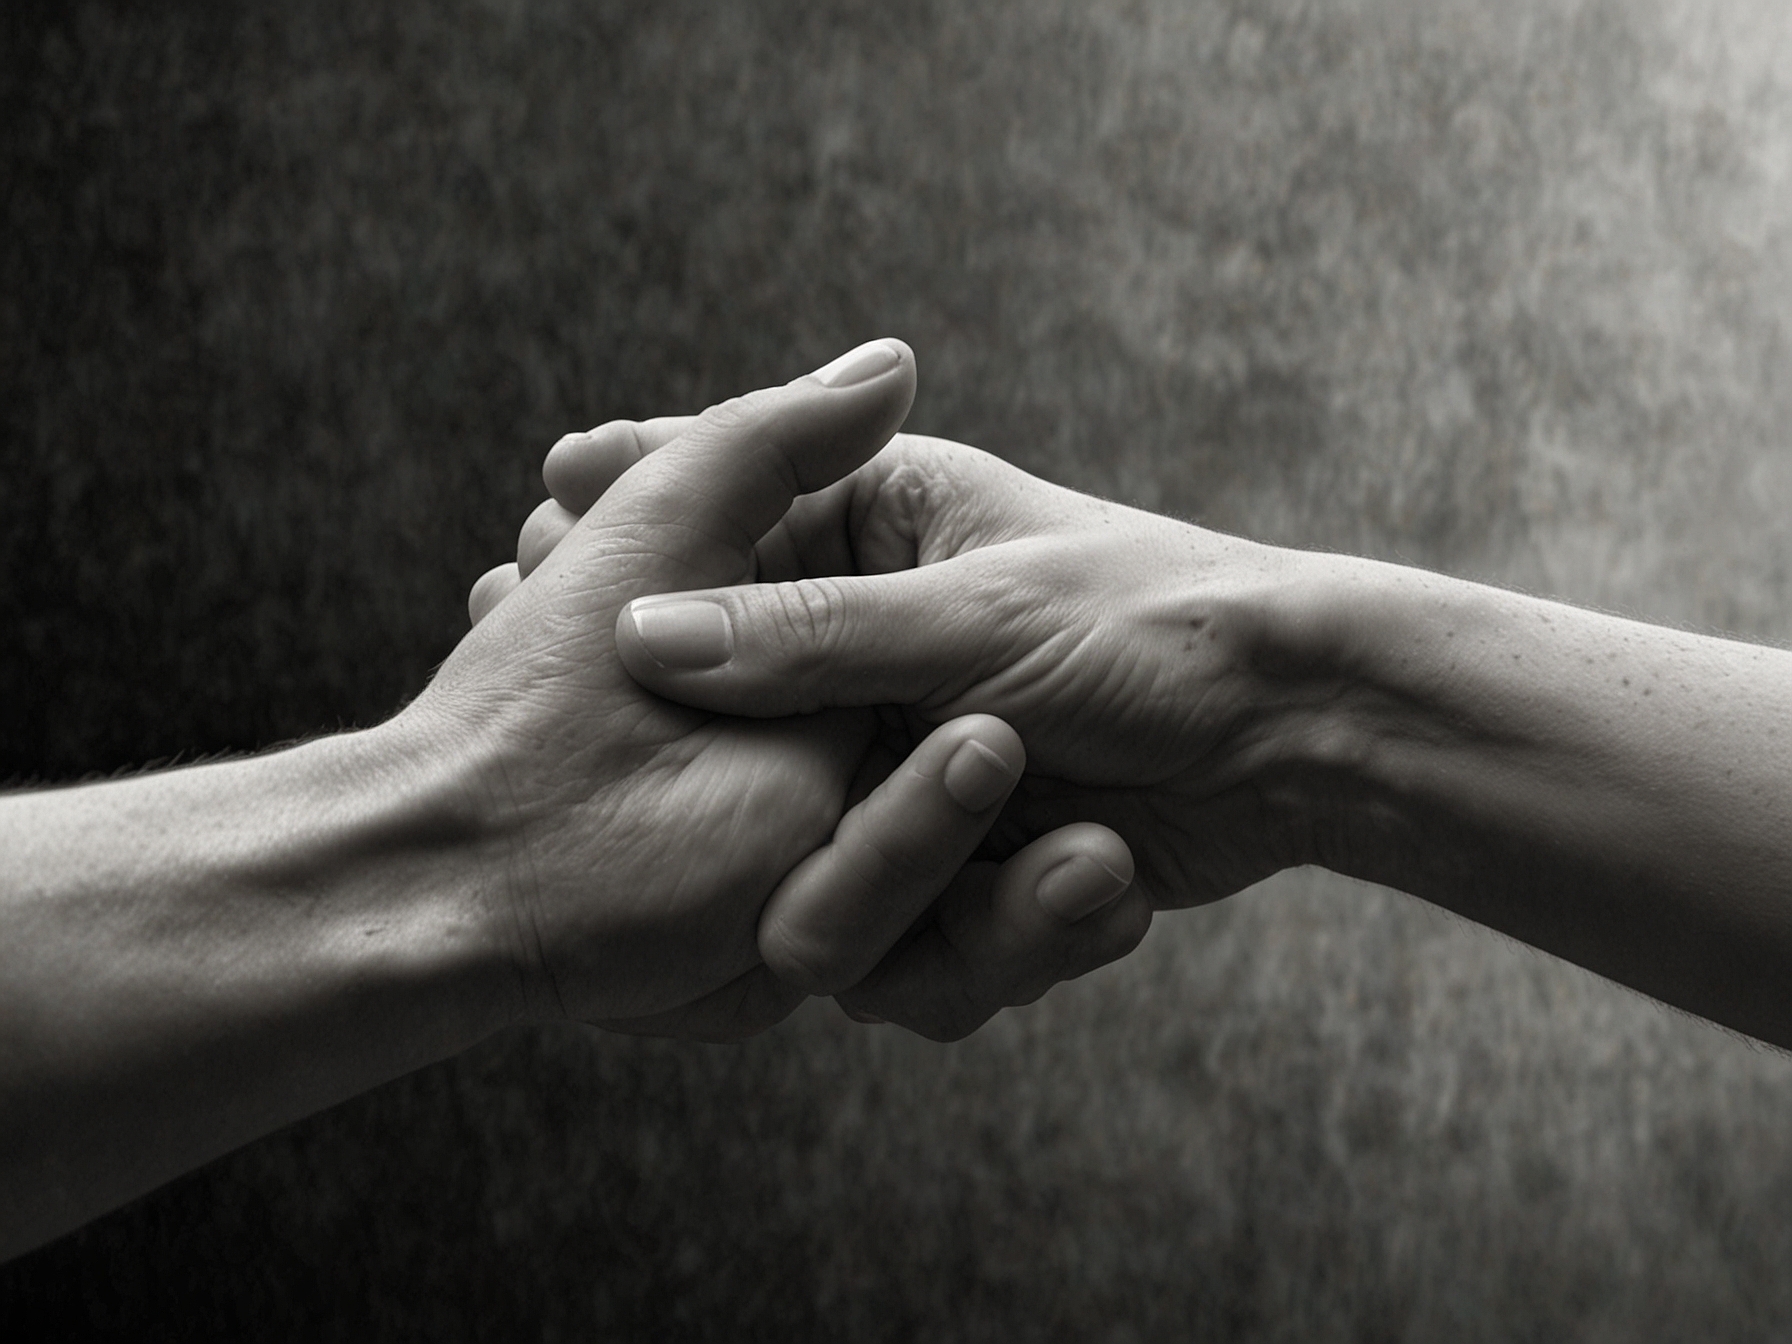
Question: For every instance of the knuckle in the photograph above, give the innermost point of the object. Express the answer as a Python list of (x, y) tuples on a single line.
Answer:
[(739, 413), (725, 415), (809, 619), (895, 853), (898, 860)]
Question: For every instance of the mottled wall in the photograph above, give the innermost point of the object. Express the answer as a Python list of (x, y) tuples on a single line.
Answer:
[(294, 296)]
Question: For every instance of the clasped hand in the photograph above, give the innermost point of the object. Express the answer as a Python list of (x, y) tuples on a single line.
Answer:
[(678, 870)]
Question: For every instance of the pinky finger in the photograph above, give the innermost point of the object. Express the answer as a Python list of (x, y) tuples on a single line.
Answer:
[(491, 588)]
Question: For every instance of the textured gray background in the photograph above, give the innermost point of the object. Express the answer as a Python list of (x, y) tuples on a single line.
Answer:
[(294, 296)]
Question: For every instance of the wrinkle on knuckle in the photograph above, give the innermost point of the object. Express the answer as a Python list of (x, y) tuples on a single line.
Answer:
[(901, 489), (896, 849), (807, 616), (750, 413), (733, 414), (633, 441), (900, 860)]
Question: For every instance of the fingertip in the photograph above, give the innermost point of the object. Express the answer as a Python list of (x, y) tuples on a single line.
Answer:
[(1091, 867), (878, 375), (905, 355), (865, 362), (1113, 931), (582, 466), (995, 733), (666, 641), (986, 763), (1078, 887)]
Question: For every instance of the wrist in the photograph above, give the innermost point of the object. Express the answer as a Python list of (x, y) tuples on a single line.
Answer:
[(1342, 664), (436, 835), (1422, 722)]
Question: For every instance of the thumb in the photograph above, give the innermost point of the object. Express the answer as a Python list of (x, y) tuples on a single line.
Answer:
[(914, 637), (693, 511)]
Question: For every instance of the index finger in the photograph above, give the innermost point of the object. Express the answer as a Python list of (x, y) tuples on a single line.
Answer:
[(694, 510)]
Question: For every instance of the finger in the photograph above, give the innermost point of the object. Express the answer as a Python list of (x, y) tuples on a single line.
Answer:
[(916, 637), (542, 530), (489, 589), (840, 910), (812, 538), (690, 514), (1216, 850), (1057, 910), (580, 467), (751, 1003)]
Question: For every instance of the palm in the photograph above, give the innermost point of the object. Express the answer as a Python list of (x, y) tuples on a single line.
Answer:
[(751, 801)]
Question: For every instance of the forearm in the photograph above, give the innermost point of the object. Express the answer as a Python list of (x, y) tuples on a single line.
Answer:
[(1617, 793), (191, 959)]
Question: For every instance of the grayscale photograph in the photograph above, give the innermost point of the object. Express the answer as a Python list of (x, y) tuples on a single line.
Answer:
[(829, 672)]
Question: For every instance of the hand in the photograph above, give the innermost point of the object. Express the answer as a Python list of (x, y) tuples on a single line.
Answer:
[(941, 579), (658, 850)]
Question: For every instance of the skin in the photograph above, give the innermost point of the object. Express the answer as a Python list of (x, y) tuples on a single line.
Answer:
[(192, 958), (196, 957), (1610, 791)]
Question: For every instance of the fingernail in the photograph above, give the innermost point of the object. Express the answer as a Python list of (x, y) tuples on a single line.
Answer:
[(859, 366), (681, 633), (857, 1016), (1078, 886), (976, 776)]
